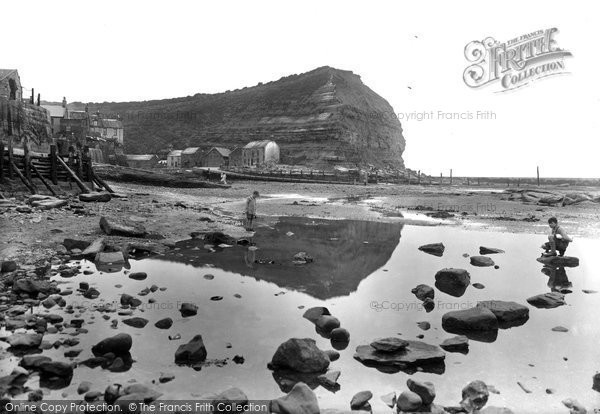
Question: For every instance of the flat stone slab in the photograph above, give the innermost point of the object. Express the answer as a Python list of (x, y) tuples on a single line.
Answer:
[(547, 300), (104, 258), (565, 261), (481, 261), (415, 353), (489, 250)]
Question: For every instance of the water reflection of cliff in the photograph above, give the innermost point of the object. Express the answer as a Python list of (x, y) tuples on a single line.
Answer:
[(344, 251)]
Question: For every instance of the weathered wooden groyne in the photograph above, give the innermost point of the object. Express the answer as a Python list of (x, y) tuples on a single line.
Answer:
[(49, 169)]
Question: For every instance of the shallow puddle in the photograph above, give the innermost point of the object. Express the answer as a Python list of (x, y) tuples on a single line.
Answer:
[(363, 272)]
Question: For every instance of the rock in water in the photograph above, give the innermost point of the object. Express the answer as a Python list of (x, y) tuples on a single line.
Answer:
[(165, 323), (596, 382), (457, 277), (475, 395), (188, 309), (481, 261), (300, 355), (118, 344), (436, 249), (360, 399), (313, 314), (547, 300), (564, 261), (408, 401), (425, 390), (327, 323), (473, 319), (459, 343), (111, 227), (391, 344), (192, 352), (136, 322), (423, 291), (509, 314), (329, 379), (300, 400), (414, 354), (489, 250), (340, 335)]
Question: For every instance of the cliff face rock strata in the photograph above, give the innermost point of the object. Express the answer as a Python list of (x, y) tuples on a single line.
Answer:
[(323, 117)]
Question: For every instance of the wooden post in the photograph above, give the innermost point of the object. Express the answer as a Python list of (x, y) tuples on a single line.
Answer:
[(24, 179), (1, 161), (468, 182), (419, 177), (78, 160), (10, 158), (478, 182), (53, 166), (538, 176), (43, 180), (27, 159), (440, 178), (79, 183), (450, 176)]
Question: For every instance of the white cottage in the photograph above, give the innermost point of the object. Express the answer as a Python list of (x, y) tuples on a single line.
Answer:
[(259, 153)]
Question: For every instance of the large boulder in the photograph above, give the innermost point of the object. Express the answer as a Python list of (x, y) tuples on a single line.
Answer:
[(436, 249), (8, 266), (509, 314), (472, 319), (313, 314), (360, 399), (136, 322), (192, 352), (300, 400), (114, 228), (481, 261), (24, 340), (56, 368), (408, 401), (547, 300), (300, 355), (459, 343), (33, 287), (327, 323), (118, 344)]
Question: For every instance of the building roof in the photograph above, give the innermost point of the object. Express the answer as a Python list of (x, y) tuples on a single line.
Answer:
[(5, 73), (56, 111), (223, 151), (140, 157), (78, 114), (190, 150), (106, 123), (258, 144), (175, 153)]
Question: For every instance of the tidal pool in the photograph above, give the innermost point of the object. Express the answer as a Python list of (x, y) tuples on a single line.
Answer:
[(363, 272)]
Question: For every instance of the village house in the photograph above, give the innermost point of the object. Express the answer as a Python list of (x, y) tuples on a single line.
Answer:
[(10, 85), (106, 128), (56, 114), (235, 157), (259, 153), (191, 157), (174, 159), (216, 157), (142, 161)]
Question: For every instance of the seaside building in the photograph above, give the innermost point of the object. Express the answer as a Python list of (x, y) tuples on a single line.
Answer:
[(142, 160), (174, 159), (216, 157), (259, 153), (191, 157)]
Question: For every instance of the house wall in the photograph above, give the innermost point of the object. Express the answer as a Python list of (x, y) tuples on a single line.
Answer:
[(235, 158), (191, 160), (5, 88), (173, 161), (214, 159), (271, 153)]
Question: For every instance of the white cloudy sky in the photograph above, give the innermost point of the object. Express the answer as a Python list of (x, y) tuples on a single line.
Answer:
[(117, 50)]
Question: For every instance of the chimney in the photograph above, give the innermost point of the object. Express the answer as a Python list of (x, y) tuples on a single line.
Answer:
[(64, 102)]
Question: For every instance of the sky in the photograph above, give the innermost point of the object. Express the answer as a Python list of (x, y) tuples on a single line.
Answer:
[(409, 52)]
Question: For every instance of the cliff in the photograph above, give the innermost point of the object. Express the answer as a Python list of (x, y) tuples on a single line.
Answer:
[(323, 117)]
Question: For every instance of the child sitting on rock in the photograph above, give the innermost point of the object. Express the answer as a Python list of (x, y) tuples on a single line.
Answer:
[(558, 240)]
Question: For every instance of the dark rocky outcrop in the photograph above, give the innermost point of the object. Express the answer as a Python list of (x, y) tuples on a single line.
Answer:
[(473, 319), (452, 281), (459, 343), (436, 249), (423, 291), (509, 314), (118, 344), (564, 261), (489, 250), (192, 352), (300, 355), (547, 300), (481, 261), (428, 357)]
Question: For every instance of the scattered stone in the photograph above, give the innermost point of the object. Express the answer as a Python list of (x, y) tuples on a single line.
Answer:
[(473, 319), (478, 286), (24, 340), (327, 323), (481, 261), (391, 344), (425, 390), (95, 197), (574, 405), (453, 281), (238, 359), (547, 300), (564, 261), (436, 249), (136, 322), (192, 352), (560, 329), (165, 323), (165, 378), (475, 395), (94, 248), (360, 399), (301, 399), (489, 250), (118, 344), (300, 355), (108, 258), (111, 227), (302, 258), (313, 314), (416, 353), (188, 309), (329, 379), (216, 298), (424, 325), (8, 266), (423, 291), (389, 399), (138, 275), (56, 369), (508, 313), (84, 386), (340, 335), (408, 401), (332, 355), (459, 343), (33, 361), (91, 293)]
